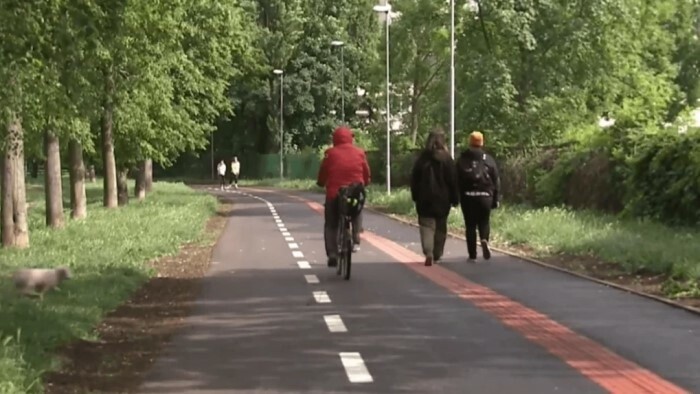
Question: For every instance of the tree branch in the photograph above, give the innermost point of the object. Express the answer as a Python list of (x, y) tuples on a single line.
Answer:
[(480, 12)]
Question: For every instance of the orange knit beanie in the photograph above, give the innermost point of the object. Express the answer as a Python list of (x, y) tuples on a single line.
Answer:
[(476, 139)]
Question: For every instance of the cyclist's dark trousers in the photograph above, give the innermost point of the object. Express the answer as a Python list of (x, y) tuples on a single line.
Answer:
[(477, 215), (330, 227), (433, 234)]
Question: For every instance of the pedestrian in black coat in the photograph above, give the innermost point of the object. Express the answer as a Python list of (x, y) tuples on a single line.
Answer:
[(479, 189), (434, 192)]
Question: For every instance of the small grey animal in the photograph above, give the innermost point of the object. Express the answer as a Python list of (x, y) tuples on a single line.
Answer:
[(39, 280)]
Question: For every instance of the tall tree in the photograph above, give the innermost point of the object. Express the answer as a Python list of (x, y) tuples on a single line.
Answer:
[(420, 53)]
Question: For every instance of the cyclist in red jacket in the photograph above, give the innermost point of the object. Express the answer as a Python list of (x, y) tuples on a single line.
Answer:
[(342, 165)]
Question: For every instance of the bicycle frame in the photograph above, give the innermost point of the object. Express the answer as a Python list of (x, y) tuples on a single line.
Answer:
[(344, 245)]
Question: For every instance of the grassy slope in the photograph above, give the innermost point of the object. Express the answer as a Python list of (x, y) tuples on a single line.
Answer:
[(106, 252), (637, 246)]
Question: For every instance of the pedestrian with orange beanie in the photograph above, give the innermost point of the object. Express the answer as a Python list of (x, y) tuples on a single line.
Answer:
[(479, 189)]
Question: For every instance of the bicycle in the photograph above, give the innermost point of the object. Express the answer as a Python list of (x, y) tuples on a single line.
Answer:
[(349, 206)]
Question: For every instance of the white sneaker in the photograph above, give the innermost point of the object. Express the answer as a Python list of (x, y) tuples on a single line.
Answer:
[(355, 248)]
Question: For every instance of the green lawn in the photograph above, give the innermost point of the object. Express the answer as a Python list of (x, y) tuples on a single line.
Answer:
[(107, 253), (636, 246)]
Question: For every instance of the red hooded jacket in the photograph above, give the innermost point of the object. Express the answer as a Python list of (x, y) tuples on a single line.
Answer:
[(342, 164)]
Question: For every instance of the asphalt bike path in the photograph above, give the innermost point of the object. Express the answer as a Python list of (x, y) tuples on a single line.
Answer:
[(254, 327), (415, 337), (653, 335), (273, 318)]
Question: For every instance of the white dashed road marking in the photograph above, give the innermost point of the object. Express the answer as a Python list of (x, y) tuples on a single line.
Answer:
[(355, 367), (335, 323), (310, 279), (304, 265), (322, 297)]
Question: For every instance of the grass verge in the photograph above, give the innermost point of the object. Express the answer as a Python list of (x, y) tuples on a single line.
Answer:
[(107, 253), (648, 256)]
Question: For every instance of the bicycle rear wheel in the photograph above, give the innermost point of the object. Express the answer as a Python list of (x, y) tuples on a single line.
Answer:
[(348, 254), (341, 243)]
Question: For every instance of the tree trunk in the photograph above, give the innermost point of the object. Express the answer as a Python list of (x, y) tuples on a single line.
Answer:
[(78, 199), (148, 175), (8, 184), (140, 183), (123, 186), (53, 187), (19, 203), (414, 119), (109, 165)]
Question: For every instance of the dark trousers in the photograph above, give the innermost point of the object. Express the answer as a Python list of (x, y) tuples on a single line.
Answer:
[(223, 180), (330, 227), (433, 234), (477, 215), (234, 178)]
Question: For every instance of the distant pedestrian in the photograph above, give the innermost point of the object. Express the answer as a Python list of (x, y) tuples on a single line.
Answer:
[(221, 168), (479, 187), (434, 191), (235, 171)]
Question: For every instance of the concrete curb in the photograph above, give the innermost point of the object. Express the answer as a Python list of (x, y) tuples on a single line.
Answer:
[(690, 309)]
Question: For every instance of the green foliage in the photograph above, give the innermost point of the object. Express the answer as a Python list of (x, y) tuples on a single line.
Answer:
[(296, 36), (664, 182), (106, 253), (165, 67)]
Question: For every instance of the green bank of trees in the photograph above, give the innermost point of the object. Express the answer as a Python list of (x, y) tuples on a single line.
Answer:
[(535, 76), (120, 83), (123, 85), (538, 76), (295, 36)]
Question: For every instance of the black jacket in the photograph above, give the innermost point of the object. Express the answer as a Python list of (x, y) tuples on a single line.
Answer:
[(475, 154), (434, 184)]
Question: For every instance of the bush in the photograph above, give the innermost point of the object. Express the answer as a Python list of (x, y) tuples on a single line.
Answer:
[(519, 172), (664, 178), (585, 172)]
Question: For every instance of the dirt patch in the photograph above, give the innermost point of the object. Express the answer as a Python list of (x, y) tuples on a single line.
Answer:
[(132, 336)]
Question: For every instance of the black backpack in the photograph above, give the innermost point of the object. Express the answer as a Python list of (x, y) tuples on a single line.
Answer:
[(474, 174), (431, 180), (352, 199)]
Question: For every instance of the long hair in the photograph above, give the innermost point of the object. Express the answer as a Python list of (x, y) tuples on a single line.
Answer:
[(436, 141)]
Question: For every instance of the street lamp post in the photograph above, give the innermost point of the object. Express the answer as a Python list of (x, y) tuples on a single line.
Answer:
[(341, 44), (452, 78), (386, 9), (213, 176), (281, 74)]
